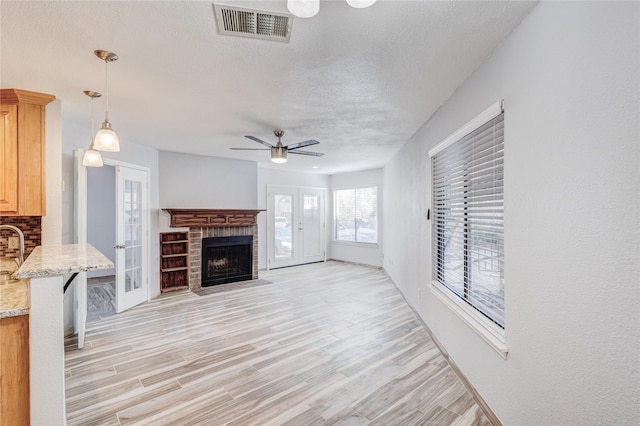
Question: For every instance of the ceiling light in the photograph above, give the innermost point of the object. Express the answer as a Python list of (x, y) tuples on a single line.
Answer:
[(303, 8), (360, 4), (279, 154), (106, 139), (92, 158)]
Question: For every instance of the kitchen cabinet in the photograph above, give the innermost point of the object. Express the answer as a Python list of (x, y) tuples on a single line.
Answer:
[(22, 152), (14, 370), (174, 261)]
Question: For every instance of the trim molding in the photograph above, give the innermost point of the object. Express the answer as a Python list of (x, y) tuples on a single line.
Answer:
[(490, 333), (209, 218), (360, 264), (488, 114), (491, 416)]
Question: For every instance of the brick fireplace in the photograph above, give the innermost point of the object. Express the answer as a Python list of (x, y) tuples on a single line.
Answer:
[(207, 223)]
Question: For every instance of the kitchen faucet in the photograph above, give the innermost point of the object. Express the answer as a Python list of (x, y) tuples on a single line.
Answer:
[(20, 259)]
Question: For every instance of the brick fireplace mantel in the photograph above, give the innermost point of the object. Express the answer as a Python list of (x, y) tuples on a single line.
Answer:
[(204, 223), (207, 218)]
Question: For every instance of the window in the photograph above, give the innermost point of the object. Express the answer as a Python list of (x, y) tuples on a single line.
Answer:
[(356, 214), (468, 217)]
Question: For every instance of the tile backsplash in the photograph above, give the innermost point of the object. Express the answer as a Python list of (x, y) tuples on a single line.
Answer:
[(31, 227)]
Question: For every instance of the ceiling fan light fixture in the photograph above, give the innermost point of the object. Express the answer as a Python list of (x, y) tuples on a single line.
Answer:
[(303, 8), (360, 4), (279, 154)]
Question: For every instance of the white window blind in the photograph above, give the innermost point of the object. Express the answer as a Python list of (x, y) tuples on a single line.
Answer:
[(468, 217), (356, 214)]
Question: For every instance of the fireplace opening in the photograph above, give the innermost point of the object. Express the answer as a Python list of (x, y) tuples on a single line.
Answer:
[(226, 260)]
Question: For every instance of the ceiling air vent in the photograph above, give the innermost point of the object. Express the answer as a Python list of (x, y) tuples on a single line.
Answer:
[(238, 21)]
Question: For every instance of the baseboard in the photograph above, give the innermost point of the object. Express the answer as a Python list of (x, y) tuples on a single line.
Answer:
[(356, 263), (491, 416), (488, 412)]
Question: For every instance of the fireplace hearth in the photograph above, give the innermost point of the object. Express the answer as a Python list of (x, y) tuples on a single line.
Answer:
[(226, 260)]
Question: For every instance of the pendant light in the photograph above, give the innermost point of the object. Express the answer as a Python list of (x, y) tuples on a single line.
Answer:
[(92, 158), (106, 139), (303, 8)]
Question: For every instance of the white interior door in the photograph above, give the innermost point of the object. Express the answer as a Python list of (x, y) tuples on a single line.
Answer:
[(296, 226), (132, 222), (80, 219)]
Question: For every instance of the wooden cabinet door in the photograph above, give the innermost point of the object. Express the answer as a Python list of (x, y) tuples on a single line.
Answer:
[(8, 158), (14, 371)]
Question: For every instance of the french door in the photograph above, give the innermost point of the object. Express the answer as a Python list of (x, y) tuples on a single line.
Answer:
[(132, 221), (296, 226)]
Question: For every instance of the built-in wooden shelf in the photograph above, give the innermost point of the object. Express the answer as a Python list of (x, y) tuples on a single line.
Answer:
[(208, 218), (174, 260)]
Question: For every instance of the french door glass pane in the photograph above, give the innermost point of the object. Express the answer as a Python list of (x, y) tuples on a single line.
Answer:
[(132, 227), (283, 218), (311, 236)]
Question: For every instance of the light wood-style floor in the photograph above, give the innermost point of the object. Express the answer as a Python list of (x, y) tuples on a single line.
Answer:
[(324, 344)]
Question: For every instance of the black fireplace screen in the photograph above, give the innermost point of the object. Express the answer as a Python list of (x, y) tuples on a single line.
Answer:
[(226, 260)]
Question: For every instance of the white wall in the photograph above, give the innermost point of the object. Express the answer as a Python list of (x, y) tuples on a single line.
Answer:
[(196, 181), (569, 75), (367, 254), (282, 178), (101, 214)]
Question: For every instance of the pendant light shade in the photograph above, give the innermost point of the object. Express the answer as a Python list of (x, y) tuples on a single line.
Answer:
[(106, 138), (279, 154), (303, 8), (92, 158), (360, 4)]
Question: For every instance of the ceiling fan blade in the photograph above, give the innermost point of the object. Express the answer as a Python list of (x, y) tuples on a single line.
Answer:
[(253, 138), (250, 149), (301, 144), (315, 154)]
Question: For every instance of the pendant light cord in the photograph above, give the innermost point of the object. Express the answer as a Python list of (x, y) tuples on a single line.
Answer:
[(106, 83), (92, 120)]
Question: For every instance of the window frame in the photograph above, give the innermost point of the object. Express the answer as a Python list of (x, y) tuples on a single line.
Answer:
[(487, 329), (334, 238)]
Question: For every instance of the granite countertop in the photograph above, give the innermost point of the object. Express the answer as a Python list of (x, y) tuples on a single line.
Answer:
[(14, 296), (51, 260)]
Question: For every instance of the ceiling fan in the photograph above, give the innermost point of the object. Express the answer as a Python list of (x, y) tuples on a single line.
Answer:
[(279, 151)]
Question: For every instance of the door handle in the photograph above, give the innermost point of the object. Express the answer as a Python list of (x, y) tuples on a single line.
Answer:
[(119, 246)]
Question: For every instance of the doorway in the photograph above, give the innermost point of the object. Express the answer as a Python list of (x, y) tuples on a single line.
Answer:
[(101, 233), (296, 226), (115, 226), (119, 228)]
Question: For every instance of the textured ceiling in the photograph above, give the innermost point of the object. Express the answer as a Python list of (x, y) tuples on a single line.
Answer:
[(361, 81)]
